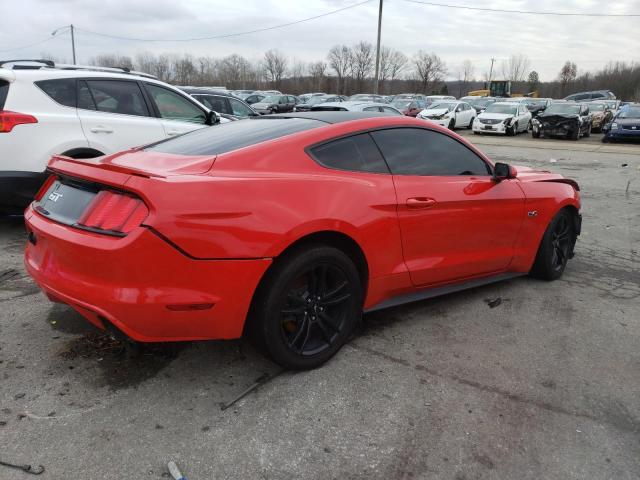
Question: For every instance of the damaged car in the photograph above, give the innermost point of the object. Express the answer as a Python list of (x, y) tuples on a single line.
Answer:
[(563, 119), (600, 115)]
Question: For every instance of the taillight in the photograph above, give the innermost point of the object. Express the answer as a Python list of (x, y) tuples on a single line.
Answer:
[(45, 186), (8, 120), (114, 212)]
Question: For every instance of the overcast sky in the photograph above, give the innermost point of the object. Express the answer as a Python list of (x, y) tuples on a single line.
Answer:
[(453, 34)]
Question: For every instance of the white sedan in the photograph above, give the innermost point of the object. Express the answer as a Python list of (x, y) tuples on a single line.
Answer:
[(508, 118), (450, 114)]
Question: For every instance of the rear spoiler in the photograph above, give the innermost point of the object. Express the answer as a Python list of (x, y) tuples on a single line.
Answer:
[(90, 170)]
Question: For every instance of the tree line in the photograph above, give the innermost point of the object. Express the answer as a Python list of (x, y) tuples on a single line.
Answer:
[(349, 69)]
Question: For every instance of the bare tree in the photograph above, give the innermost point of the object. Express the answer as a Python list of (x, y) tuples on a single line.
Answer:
[(568, 74), (533, 80), (184, 69), (468, 71), (516, 68), (362, 62), (340, 61), (112, 60), (392, 62), (429, 69), (275, 65), (318, 71)]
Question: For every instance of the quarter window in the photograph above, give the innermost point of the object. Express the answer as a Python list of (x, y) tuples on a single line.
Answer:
[(175, 107), (62, 91), (356, 153), (416, 151), (115, 96)]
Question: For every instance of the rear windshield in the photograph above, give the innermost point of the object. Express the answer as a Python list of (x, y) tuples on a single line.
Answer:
[(233, 135), (4, 90)]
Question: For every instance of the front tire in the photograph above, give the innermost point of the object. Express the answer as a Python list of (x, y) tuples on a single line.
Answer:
[(452, 124), (307, 307), (555, 248), (471, 123)]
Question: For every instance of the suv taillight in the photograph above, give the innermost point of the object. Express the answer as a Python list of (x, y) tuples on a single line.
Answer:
[(8, 120), (114, 212)]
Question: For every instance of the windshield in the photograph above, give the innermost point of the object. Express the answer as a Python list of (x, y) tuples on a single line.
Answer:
[(631, 112), (448, 105), (480, 102), (271, 99), (596, 107), (495, 108), (317, 99), (563, 108)]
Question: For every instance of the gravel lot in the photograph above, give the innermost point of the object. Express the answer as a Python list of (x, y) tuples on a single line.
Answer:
[(545, 385)]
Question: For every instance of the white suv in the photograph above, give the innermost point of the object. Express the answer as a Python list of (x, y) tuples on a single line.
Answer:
[(80, 112)]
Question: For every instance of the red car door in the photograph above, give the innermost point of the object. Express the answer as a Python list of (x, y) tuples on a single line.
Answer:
[(456, 221)]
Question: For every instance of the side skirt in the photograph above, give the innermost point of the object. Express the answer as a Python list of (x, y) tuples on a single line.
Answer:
[(438, 291)]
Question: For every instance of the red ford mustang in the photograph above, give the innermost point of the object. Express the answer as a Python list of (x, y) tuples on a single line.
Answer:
[(288, 227)]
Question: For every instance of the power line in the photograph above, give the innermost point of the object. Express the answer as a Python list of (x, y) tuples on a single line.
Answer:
[(525, 12), (33, 44), (226, 35)]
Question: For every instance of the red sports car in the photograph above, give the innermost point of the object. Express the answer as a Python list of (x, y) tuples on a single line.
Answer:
[(288, 227)]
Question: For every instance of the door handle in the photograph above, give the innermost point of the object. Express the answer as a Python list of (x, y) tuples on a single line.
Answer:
[(101, 129), (416, 203), (173, 133)]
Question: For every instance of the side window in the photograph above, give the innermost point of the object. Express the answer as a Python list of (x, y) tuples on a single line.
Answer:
[(356, 153), (215, 103), (416, 151), (116, 96), (239, 108), (62, 91), (175, 107)]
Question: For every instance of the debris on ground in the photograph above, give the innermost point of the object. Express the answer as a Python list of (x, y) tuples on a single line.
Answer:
[(25, 468), (493, 303), (261, 380), (92, 345), (625, 165), (175, 471)]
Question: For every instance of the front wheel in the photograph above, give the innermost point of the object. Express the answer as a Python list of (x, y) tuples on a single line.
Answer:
[(587, 134), (307, 307), (471, 123), (512, 130), (556, 247), (452, 124)]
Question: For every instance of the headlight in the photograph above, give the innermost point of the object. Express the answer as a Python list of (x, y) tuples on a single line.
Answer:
[(614, 125)]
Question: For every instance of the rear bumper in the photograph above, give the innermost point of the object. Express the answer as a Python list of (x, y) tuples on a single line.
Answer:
[(140, 284), (17, 190)]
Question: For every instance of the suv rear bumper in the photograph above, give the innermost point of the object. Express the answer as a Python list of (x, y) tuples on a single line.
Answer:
[(140, 284), (17, 190)]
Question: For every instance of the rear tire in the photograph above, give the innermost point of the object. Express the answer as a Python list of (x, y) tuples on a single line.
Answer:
[(306, 307), (555, 248)]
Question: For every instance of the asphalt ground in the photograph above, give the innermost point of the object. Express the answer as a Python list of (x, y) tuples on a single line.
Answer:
[(545, 385)]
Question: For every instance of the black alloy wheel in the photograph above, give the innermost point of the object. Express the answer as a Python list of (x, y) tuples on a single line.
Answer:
[(556, 247), (315, 308), (307, 307)]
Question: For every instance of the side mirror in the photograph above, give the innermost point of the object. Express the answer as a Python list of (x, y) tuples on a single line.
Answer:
[(503, 171), (212, 118)]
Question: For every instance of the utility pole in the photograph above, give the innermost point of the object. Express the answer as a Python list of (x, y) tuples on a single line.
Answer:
[(73, 40), (491, 71), (73, 45), (375, 84)]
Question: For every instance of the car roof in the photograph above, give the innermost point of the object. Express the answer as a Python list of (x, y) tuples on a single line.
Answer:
[(327, 116), (504, 103)]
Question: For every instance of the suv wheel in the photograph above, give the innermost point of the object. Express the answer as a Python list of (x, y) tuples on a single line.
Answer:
[(307, 307)]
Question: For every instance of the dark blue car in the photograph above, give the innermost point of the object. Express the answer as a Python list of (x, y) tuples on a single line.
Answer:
[(625, 125)]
